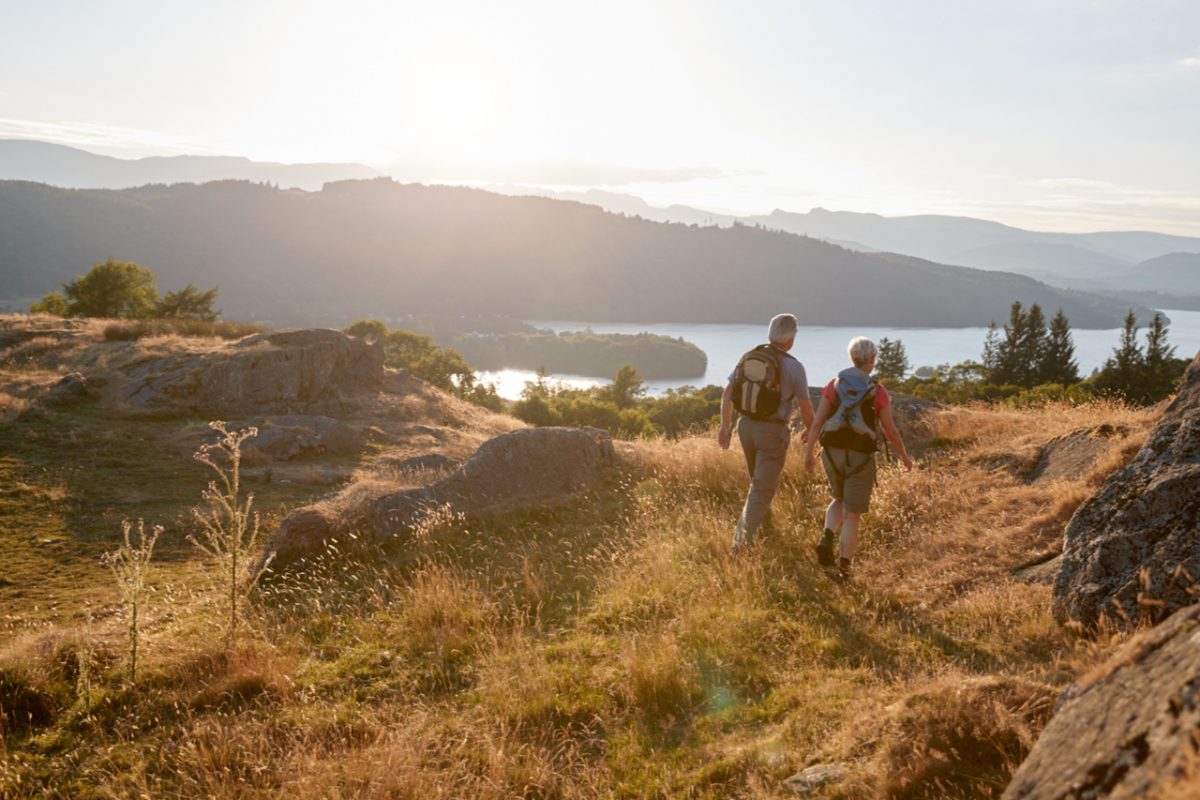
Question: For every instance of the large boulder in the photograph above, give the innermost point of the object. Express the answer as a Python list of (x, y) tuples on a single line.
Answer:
[(1128, 727), (287, 437), (289, 372), (528, 468), (1133, 550)]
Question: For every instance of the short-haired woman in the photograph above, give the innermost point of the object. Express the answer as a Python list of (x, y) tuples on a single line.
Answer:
[(848, 445)]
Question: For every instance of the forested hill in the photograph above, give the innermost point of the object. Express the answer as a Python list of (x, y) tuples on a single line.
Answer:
[(363, 248)]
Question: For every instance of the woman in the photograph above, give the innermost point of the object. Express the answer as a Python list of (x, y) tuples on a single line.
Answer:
[(853, 410)]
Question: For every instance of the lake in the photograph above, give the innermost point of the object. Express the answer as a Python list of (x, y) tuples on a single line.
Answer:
[(822, 350)]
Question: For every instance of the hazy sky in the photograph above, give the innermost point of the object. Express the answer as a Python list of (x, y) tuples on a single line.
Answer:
[(1065, 115)]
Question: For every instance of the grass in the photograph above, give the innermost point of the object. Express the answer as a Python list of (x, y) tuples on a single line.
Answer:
[(609, 648)]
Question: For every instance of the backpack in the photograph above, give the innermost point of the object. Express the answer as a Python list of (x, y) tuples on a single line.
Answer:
[(853, 424), (758, 382)]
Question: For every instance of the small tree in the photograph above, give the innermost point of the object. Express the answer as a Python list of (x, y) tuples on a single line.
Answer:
[(130, 564), (1124, 370), (991, 353), (53, 303), (120, 289), (625, 390), (1058, 363), (370, 329), (229, 530), (892, 361), (188, 303)]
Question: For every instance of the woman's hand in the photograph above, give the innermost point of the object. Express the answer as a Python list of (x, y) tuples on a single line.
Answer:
[(908, 462)]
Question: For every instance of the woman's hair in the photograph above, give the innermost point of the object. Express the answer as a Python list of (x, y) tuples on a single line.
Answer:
[(782, 329), (862, 351)]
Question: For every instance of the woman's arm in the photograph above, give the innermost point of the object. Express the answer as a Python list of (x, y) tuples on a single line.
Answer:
[(810, 444), (893, 435)]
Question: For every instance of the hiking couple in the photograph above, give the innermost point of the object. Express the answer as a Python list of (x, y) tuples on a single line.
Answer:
[(767, 387)]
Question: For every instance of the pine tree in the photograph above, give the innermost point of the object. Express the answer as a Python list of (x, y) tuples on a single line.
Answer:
[(892, 361), (1031, 347), (1008, 351), (1159, 381), (991, 352), (1124, 371), (1058, 363)]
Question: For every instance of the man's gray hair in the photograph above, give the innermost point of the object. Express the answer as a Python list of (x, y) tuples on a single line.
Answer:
[(782, 329), (862, 351)]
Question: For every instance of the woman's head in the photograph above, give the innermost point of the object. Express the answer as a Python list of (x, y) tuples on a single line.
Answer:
[(862, 352)]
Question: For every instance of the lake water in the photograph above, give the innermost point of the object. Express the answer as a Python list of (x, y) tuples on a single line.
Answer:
[(822, 350)]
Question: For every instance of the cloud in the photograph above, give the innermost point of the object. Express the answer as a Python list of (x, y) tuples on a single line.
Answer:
[(1192, 62), (101, 136)]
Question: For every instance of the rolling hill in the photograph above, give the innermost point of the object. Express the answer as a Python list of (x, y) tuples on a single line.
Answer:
[(360, 248)]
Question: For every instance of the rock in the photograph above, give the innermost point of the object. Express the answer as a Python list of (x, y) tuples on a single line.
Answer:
[(813, 778), (301, 372), (526, 468), (1070, 456), (1039, 570), (292, 436), (72, 388), (430, 462), (1133, 550), (1128, 727)]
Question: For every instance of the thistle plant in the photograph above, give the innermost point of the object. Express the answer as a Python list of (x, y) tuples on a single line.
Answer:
[(130, 563), (229, 530)]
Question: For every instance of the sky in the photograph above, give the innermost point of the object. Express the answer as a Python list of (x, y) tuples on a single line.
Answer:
[(1071, 115)]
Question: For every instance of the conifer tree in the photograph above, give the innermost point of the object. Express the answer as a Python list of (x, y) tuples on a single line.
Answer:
[(1124, 370), (991, 352), (1159, 381), (1031, 347), (892, 361), (1058, 363), (1008, 351)]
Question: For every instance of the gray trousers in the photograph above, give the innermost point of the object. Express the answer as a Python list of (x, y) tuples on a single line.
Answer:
[(765, 445)]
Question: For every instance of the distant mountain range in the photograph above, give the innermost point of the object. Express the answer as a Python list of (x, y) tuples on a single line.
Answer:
[(1107, 260), (380, 248), (59, 165)]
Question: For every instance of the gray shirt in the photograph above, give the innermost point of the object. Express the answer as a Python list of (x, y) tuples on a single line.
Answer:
[(793, 385)]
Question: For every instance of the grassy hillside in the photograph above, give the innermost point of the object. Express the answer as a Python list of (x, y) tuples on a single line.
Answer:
[(382, 249), (607, 648)]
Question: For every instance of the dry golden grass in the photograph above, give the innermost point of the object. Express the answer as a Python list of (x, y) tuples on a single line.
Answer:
[(613, 648)]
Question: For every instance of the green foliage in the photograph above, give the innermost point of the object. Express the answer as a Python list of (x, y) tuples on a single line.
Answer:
[(53, 303), (442, 367), (130, 564), (1137, 375), (892, 362), (132, 330), (1030, 354), (1057, 364), (120, 289), (188, 303), (620, 407)]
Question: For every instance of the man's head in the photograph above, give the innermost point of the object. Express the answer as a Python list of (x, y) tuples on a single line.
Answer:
[(782, 331), (863, 352)]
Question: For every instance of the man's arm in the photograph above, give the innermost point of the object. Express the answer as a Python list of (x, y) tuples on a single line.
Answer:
[(725, 432), (806, 413)]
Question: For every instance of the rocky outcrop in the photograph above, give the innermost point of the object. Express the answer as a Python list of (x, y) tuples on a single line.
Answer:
[(1133, 550), (1070, 456), (528, 468), (71, 388), (290, 372), (291, 436), (1128, 727)]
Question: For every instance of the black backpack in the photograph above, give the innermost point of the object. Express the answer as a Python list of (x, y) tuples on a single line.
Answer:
[(758, 382)]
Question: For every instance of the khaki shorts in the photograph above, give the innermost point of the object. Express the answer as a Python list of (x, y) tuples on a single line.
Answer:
[(851, 477)]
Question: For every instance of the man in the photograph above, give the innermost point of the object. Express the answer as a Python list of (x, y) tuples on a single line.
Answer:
[(765, 440)]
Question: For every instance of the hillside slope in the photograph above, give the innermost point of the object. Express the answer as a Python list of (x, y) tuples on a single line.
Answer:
[(358, 249)]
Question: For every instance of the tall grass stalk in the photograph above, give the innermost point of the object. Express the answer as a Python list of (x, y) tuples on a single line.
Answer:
[(130, 563), (229, 528)]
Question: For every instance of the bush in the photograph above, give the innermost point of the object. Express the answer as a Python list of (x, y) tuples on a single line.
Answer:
[(191, 328)]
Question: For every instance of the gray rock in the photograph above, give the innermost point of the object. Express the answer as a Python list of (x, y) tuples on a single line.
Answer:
[(809, 780), (1133, 550), (524, 469), (1126, 728), (305, 371), (72, 388), (1070, 456), (528, 468), (292, 436)]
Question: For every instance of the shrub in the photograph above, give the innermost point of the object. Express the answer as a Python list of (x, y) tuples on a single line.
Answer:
[(141, 329), (130, 564)]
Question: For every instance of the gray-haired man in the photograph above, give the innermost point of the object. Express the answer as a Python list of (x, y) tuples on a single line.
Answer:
[(765, 440)]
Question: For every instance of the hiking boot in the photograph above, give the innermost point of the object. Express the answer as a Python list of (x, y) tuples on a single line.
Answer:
[(825, 549), (843, 570)]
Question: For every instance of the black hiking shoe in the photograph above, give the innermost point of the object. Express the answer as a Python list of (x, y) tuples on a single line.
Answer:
[(843, 570), (825, 549)]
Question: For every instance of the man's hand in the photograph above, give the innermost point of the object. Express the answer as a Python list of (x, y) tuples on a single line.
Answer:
[(810, 460), (724, 435)]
